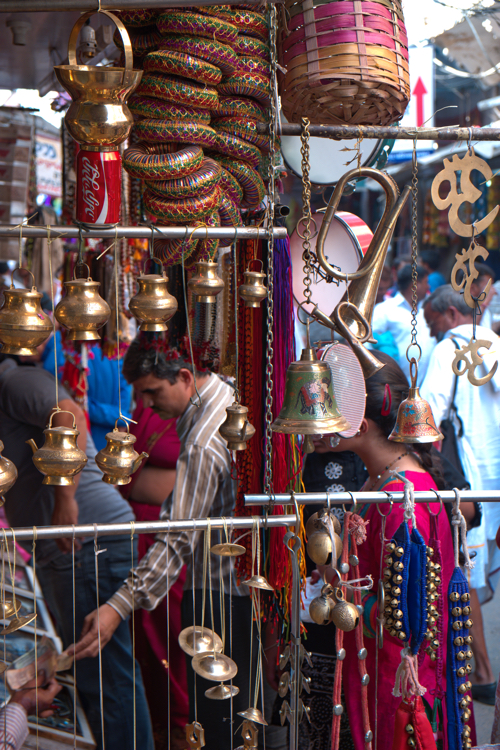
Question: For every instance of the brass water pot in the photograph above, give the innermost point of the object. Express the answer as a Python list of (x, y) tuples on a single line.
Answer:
[(236, 429), (205, 284), (23, 323), (118, 459), (153, 305), (253, 291), (82, 311), (59, 458), (8, 473), (98, 114)]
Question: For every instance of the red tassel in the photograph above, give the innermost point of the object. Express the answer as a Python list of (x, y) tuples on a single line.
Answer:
[(411, 721)]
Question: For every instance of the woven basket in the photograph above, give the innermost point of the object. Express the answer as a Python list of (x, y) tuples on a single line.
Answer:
[(346, 62)]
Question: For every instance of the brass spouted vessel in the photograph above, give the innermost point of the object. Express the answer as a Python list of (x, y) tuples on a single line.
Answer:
[(205, 284), (23, 323), (236, 429), (153, 305), (8, 474), (253, 290), (82, 311), (118, 460), (59, 459)]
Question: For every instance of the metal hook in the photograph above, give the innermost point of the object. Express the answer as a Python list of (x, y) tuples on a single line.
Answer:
[(469, 144), (328, 501), (354, 508), (391, 503), (436, 515)]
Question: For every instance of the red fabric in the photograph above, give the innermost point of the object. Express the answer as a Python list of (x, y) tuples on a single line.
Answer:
[(390, 656), (413, 713)]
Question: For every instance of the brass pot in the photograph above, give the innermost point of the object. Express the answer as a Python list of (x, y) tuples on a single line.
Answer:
[(118, 459), (319, 546), (236, 429), (320, 609), (82, 311), (253, 291), (153, 305), (8, 473), (59, 458), (344, 615), (205, 284), (23, 323)]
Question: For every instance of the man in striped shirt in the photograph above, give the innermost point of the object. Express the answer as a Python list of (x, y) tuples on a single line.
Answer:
[(203, 487), (23, 703)]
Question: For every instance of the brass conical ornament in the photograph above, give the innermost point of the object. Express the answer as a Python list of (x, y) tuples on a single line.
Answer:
[(221, 692), (214, 666), (228, 549), (253, 714), (198, 640), (415, 422), (258, 582), (236, 428), (17, 623)]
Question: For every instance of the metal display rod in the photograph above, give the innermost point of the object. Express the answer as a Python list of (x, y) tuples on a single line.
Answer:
[(375, 131), (338, 498), (33, 6), (170, 233)]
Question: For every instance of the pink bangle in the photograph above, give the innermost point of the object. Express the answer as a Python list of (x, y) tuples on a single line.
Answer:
[(230, 145), (221, 55), (178, 90), (184, 65), (250, 180), (247, 46), (144, 165), (166, 131), (245, 84), (196, 24), (198, 183), (159, 109), (186, 209), (242, 128), (237, 106), (231, 187)]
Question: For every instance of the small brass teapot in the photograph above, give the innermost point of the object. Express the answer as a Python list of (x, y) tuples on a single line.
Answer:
[(59, 458), (23, 323), (8, 474), (118, 459), (236, 429), (253, 291), (205, 284), (153, 305), (82, 311)]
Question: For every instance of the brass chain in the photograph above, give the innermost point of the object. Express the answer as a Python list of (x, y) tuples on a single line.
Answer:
[(414, 253), (305, 219), (271, 197)]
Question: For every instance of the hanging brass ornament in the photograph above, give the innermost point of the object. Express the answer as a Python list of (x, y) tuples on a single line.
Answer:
[(315, 523), (195, 735), (250, 735), (8, 474), (258, 582), (320, 608), (8, 608), (476, 359), (253, 291), (369, 363), (82, 311), (118, 460), (253, 714), (23, 323), (153, 305), (228, 549), (236, 428), (221, 692), (415, 423), (214, 666), (59, 459), (196, 639), (344, 615), (206, 284), (320, 546), (468, 274)]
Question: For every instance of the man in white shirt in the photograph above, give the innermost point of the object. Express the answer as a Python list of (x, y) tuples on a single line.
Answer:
[(478, 407), (394, 315)]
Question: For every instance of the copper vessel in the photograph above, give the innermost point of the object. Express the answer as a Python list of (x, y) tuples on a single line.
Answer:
[(82, 311), (153, 305), (23, 323), (205, 284), (59, 458), (236, 428), (253, 290), (8, 473), (118, 459)]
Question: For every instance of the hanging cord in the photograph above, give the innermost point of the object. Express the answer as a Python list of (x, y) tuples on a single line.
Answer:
[(168, 640), (33, 550), (460, 531), (194, 622), (408, 498), (97, 552), (134, 707), (117, 313), (237, 397), (49, 246), (193, 401), (379, 633), (407, 683), (73, 541)]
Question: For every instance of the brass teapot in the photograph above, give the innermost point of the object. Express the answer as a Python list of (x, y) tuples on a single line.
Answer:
[(118, 459), (205, 284), (82, 311), (8, 474), (59, 459), (236, 429), (23, 323), (153, 305), (253, 290)]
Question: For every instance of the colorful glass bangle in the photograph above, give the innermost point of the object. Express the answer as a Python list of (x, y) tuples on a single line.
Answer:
[(230, 145), (221, 55), (140, 17), (166, 131), (229, 213), (234, 106), (146, 166), (246, 84), (250, 180), (196, 24), (173, 251), (242, 128), (203, 181), (158, 109), (147, 39), (231, 186), (249, 23), (186, 209), (247, 46), (176, 90), (254, 65), (182, 64)]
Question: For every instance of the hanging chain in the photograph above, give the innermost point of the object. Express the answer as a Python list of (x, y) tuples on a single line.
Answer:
[(414, 252), (305, 219), (273, 115)]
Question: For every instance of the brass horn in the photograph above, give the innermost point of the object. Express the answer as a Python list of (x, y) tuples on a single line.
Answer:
[(365, 281)]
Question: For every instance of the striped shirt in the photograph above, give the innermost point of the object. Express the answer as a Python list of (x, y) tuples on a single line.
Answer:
[(13, 726), (203, 488)]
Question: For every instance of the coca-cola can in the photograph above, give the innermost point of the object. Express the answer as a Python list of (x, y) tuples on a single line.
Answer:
[(98, 185)]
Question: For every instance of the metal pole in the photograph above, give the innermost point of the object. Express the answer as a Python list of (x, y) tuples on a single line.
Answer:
[(375, 131), (293, 544), (170, 233), (143, 527), (338, 498), (33, 6)]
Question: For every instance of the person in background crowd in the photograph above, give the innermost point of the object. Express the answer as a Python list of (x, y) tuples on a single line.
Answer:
[(385, 284), (23, 703), (395, 315), (396, 265), (431, 261), (478, 409)]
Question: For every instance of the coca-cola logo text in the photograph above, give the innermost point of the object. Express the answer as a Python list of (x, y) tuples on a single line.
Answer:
[(90, 185)]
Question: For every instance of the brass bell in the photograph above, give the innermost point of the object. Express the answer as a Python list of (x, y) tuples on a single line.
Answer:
[(82, 311), (345, 615), (205, 284), (59, 458), (253, 291), (118, 459), (415, 423), (236, 428), (319, 547), (23, 323), (314, 523), (253, 714), (8, 474), (320, 609), (153, 305)]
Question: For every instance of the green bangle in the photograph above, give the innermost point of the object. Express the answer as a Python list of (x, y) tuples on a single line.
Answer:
[(230, 145), (247, 46), (177, 90), (184, 65), (231, 186), (197, 24), (242, 128), (236, 106), (245, 84), (165, 131), (250, 180), (221, 55), (144, 165), (186, 209), (158, 109), (198, 183)]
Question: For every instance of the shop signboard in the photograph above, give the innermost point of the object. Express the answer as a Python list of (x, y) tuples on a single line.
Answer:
[(48, 155)]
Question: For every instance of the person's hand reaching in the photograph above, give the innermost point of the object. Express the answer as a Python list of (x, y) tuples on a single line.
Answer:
[(88, 645), (30, 695)]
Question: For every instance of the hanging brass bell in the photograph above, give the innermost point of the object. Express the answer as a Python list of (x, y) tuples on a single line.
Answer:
[(236, 428), (118, 459), (205, 284), (82, 311), (59, 459), (253, 714), (319, 546), (8, 474), (23, 323), (309, 405), (320, 609), (153, 305), (314, 523), (253, 291), (345, 615), (415, 422)]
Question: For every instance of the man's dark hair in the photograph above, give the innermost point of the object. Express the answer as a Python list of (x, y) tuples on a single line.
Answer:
[(404, 276), (4, 267), (485, 270), (144, 359), (431, 259), (445, 297)]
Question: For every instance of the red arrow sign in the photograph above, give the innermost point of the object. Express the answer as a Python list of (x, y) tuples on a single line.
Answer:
[(419, 92)]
